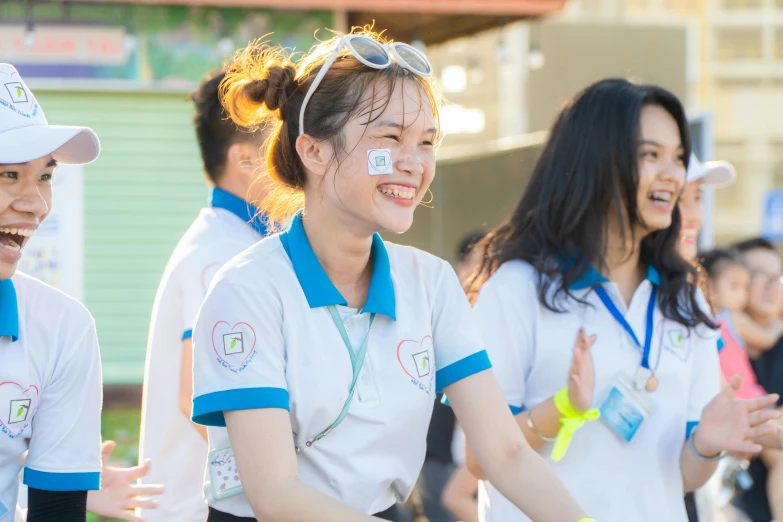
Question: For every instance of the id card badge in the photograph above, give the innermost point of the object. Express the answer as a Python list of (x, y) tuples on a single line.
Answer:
[(623, 411), (223, 475)]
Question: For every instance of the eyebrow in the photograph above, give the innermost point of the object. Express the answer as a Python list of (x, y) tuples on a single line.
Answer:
[(52, 163), (656, 144), (395, 125)]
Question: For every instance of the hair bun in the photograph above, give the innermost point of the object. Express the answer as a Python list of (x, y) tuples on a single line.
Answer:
[(274, 90)]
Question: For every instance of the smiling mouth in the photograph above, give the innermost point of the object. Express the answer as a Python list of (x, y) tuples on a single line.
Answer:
[(660, 198), (397, 191), (14, 239)]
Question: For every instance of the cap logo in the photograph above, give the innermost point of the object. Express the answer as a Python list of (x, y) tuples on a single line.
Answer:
[(17, 92)]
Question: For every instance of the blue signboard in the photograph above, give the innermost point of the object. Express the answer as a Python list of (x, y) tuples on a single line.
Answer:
[(772, 220)]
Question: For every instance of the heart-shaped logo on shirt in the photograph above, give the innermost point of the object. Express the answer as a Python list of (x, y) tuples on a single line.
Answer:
[(416, 359), (17, 407), (234, 345)]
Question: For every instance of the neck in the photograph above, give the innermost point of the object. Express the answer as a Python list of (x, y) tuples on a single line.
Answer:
[(344, 254), (239, 187), (623, 265)]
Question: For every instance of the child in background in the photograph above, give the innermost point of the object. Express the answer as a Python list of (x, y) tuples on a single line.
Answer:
[(728, 279), (727, 290)]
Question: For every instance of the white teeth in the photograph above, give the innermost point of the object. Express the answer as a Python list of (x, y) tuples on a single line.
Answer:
[(26, 232), (661, 196), (398, 193)]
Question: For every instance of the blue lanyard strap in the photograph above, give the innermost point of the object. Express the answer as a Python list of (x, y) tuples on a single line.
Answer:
[(357, 360), (627, 327)]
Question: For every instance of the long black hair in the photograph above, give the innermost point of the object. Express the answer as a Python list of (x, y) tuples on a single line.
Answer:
[(588, 169)]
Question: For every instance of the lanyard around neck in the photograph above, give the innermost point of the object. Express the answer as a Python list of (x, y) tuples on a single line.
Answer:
[(618, 316), (357, 360)]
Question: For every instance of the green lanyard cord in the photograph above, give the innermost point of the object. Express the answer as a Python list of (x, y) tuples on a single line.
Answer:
[(357, 360)]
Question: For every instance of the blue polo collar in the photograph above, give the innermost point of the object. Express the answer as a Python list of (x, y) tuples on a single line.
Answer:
[(9, 311), (593, 278), (317, 287), (241, 208)]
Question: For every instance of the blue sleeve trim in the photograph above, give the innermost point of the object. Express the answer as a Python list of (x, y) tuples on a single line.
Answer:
[(477, 362), (516, 410), (208, 409), (62, 481), (721, 344), (187, 335), (689, 427)]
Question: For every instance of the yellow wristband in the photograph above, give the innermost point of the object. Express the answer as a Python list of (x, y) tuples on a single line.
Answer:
[(570, 423), (586, 520)]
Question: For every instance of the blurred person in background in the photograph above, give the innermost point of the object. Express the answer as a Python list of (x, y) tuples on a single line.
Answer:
[(591, 252), (761, 331), (712, 174), (439, 464), (231, 159)]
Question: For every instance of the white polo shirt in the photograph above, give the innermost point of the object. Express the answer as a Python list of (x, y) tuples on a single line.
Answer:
[(177, 450), (264, 338), (531, 350), (50, 392)]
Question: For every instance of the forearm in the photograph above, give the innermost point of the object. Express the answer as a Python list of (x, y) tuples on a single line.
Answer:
[(290, 500), (546, 420), (184, 407), (56, 506), (459, 495), (529, 482), (695, 473)]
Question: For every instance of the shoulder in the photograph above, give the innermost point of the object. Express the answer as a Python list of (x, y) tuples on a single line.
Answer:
[(512, 276), (256, 267), (47, 307)]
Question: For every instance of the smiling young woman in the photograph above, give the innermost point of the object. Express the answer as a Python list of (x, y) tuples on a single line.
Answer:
[(590, 253), (318, 352)]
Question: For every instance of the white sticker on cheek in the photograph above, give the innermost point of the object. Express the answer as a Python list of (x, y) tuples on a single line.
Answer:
[(379, 161)]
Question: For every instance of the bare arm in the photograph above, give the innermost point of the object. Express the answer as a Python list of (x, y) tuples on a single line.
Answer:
[(459, 495), (545, 418), (517, 471), (695, 473), (186, 385), (758, 338), (266, 460)]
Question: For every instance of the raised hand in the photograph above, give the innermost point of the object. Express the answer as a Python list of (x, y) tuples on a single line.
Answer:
[(581, 377), (118, 492), (733, 425)]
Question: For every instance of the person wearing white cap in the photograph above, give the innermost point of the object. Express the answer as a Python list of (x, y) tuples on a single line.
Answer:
[(712, 174), (50, 369)]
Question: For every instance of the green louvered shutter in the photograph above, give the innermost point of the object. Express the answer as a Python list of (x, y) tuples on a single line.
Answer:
[(140, 196)]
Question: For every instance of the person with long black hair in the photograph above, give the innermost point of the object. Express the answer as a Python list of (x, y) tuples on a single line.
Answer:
[(632, 417)]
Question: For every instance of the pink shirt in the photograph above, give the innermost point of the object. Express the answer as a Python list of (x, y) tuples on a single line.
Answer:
[(734, 360)]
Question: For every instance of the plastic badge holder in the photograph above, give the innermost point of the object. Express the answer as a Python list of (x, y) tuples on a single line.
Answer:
[(623, 411), (223, 475)]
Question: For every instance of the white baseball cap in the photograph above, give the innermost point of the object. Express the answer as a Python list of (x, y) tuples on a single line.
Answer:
[(25, 134), (714, 174)]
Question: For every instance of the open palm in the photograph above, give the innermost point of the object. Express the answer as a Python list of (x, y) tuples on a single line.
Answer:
[(732, 425), (581, 377)]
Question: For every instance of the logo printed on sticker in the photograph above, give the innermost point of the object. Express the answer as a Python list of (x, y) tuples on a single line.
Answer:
[(379, 162), (232, 343), (17, 92), (416, 361), (237, 345)]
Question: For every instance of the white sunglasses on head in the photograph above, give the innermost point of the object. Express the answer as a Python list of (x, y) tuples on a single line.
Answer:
[(372, 54)]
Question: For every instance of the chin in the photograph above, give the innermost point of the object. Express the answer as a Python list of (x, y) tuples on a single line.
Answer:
[(396, 225), (688, 251), (7, 270)]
